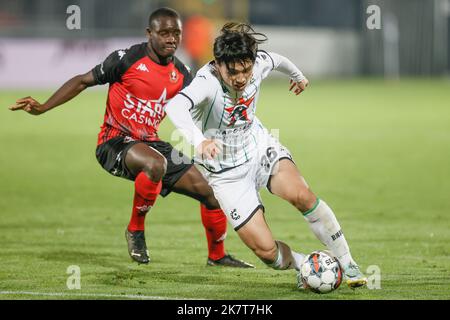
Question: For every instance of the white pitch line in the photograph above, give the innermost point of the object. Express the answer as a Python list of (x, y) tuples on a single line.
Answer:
[(98, 295)]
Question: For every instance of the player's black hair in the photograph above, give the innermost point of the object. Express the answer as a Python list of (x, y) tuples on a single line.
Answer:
[(162, 12), (238, 42)]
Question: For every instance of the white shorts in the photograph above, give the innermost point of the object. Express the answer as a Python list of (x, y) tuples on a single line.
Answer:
[(237, 189)]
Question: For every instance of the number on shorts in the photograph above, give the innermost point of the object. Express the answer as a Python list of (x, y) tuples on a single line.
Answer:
[(268, 158), (271, 154)]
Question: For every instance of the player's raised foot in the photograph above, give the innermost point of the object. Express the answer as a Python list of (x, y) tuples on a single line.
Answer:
[(137, 248), (229, 261), (354, 277)]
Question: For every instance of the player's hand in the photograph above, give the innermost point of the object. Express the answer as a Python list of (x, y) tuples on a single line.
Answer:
[(299, 86), (209, 149), (30, 105)]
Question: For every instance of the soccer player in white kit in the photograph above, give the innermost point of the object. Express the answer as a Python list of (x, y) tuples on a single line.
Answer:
[(238, 156)]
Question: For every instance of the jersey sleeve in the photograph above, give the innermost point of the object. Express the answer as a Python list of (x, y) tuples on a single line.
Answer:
[(265, 62), (109, 71), (198, 91), (272, 61)]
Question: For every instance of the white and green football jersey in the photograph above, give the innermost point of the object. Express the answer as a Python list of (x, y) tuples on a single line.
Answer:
[(227, 116)]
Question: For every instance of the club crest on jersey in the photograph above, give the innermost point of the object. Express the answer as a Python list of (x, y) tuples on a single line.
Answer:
[(239, 111), (173, 76)]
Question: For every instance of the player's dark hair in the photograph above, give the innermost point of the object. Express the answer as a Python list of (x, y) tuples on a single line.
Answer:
[(162, 12), (238, 42)]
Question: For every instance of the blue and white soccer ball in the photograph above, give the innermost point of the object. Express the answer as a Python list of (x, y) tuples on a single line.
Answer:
[(321, 272)]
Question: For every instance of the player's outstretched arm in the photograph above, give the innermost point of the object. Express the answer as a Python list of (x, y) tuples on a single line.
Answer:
[(68, 90), (298, 80)]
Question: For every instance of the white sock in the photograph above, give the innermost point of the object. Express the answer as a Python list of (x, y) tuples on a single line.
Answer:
[(326, 228), (289, 260), (299, 257)]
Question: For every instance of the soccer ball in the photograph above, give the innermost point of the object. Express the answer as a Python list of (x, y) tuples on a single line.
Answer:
[(321, 272)]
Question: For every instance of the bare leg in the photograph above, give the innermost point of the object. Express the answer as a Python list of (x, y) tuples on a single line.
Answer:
[(194, 185), (290, 185), (258, 237), (141, 157)]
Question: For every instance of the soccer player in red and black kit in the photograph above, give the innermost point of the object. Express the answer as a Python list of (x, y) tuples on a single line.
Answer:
[(141, 81)]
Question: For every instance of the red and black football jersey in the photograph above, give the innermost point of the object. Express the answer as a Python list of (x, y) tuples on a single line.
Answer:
[(139, 89)]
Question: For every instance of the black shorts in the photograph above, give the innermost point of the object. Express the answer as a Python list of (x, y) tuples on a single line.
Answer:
[(111, 156)]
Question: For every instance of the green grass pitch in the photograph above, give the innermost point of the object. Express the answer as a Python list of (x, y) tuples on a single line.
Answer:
[(378, 152)]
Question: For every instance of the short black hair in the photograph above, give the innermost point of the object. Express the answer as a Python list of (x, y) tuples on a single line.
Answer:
[(162, 12), (238, 42)]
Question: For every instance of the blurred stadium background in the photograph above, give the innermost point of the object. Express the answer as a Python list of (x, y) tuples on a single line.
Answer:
[(372, 136), (326, 38)]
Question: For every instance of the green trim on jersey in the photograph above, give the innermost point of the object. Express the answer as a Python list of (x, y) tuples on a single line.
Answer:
[(245, 153), (223, 111), (253, 136), (210, 109), (256, 88), (312, 209), (232, 157)]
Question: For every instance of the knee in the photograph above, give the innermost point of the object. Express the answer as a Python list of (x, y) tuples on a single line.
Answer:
[(205, 195), (210, 201), (156, 168), (303, 199)]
